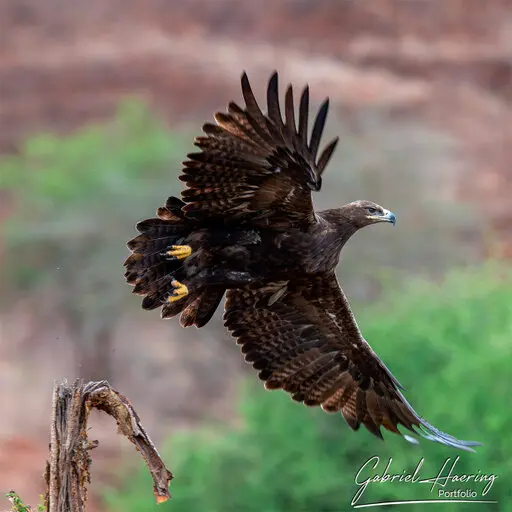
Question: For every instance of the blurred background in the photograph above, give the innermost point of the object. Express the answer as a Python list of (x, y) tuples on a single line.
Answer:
[(99, 103)]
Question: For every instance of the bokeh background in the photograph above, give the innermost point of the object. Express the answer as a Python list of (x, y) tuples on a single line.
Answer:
[(99, 103)]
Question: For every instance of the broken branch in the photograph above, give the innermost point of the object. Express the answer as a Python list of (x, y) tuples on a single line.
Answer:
[(67, 472)]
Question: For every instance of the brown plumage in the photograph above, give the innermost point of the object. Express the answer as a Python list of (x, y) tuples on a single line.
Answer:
[(247, 225)]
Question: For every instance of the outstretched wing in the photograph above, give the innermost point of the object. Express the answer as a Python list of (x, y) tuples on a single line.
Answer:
[(255, 165), (302, 337)]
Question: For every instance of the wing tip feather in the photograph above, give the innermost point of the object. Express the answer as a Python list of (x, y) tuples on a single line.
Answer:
[(274, 78)]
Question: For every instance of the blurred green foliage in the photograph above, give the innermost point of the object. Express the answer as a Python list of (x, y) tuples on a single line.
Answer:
[(89, 186), (449, 345), (76, 200), (134, 145), (19, 506)]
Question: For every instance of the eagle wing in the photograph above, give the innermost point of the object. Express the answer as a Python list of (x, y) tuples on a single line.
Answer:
[(257, 166), (302, 337)]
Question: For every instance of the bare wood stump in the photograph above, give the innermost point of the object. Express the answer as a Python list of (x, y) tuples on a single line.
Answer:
[(68, 469)]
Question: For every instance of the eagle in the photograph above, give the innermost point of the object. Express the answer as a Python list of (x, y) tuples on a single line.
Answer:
[(245, 226)]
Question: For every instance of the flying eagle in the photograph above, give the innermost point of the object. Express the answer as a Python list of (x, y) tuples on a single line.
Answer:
[(246, 225)]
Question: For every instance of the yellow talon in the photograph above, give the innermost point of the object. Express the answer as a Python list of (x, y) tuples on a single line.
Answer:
[(180, 291), (180, 251)]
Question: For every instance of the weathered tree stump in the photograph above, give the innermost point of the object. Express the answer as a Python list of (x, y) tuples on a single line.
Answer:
[(68, 469)]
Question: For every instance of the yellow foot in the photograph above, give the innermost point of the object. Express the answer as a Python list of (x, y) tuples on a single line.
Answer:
[(180, 291), (180, 251)]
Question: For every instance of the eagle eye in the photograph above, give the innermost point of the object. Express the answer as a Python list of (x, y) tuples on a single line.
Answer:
[(372, 211)]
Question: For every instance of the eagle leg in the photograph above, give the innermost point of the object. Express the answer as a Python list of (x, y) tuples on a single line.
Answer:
[(180, 291), (179, 252)]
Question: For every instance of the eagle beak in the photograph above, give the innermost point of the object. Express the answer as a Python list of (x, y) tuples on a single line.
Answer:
[(389, 217), (386, 216)]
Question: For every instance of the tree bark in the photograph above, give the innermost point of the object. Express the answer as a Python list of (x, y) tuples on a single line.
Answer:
[(68, 469)]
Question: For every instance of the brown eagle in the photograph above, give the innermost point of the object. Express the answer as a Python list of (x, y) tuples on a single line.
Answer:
[(246, 225)]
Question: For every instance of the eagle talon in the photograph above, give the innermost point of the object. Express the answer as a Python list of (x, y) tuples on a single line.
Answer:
[(180, 252), (180, 291)]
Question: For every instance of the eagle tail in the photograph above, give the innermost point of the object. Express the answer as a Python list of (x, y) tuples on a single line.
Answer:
[(202, 308), (155, 268), (151, 268)]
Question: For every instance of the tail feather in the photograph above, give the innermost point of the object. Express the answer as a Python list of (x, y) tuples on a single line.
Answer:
[(148, 268), (171, 309), (200, 311), (157, 295), (150, 271), (139, 265), (210, 301)]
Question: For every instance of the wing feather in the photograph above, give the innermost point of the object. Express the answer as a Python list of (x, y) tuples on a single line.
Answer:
[(308, 344), (318, 128), (289, 114), (256, 166), (326, 155), (274, 111), (250, 101), (303, 116)]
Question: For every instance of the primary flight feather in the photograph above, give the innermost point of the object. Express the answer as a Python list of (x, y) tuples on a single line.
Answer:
[(246, 226)]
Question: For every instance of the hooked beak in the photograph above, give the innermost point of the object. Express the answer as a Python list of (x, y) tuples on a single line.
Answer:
[(386, 216)]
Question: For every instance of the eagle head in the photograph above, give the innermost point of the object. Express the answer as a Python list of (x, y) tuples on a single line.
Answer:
[(365, 213)]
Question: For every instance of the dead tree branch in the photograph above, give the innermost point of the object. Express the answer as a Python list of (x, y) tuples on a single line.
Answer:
[(67, 472)]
